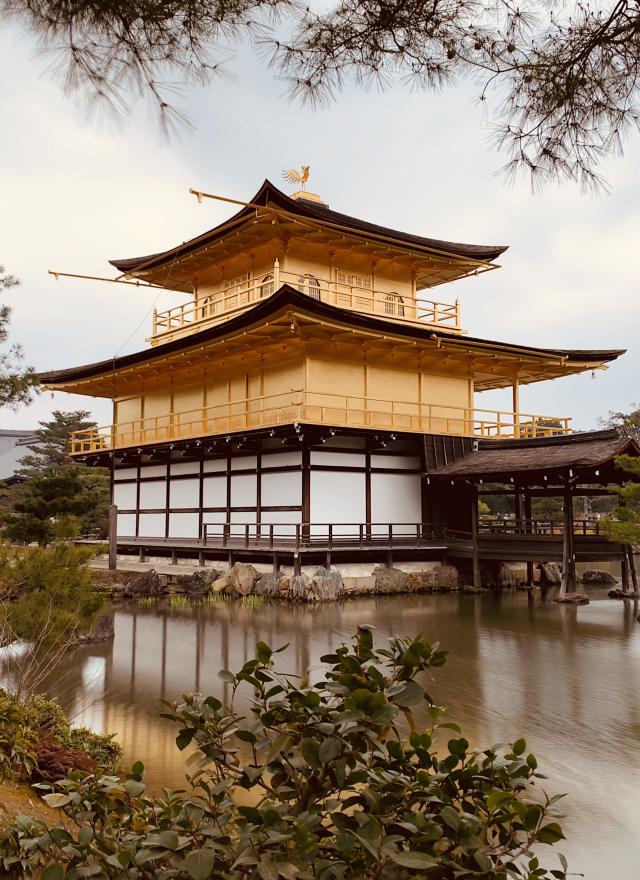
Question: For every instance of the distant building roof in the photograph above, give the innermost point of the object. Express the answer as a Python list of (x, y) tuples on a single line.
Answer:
[(13, 447)]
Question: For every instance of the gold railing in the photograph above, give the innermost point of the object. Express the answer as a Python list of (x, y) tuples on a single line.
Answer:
[(225, 303), (321, 409)]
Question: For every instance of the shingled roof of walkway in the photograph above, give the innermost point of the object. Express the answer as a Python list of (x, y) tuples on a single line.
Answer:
[(583, 452)]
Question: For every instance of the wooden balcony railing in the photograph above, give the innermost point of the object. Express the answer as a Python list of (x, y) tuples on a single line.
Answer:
[(332, 410), (331, 536), (536, 527), (223, 304)]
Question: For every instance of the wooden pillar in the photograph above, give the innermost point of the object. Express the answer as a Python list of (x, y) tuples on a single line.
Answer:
[(474, 536), (624, 572), (528, 516), (515, 390), (568, 584), (113, 537), (632, 568)]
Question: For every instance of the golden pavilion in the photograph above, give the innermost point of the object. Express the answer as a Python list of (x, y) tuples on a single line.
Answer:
[(317, 394)]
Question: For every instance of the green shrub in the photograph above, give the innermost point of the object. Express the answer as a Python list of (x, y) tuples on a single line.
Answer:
[(319, 783), (17, 740), (36, 738)]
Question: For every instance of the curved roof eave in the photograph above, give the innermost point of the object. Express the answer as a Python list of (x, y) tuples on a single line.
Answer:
[(288, 296), (268, 193)]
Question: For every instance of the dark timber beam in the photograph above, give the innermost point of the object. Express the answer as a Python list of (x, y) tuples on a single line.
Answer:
[(568, 584), (474, 536)]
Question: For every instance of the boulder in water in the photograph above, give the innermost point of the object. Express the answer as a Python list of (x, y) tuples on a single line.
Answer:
[(200, 581), (596, 577), (572, 599), (149, 583), (550, 574), (242, 577), (390, 580)]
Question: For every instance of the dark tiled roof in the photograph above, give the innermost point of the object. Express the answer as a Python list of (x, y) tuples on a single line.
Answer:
[(288, 296), (502, 458), (270, 194)]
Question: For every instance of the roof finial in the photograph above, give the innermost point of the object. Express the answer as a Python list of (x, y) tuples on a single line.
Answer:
[(301, 177)]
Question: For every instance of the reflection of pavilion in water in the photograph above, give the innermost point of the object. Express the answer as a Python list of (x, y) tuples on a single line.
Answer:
[(162, 653), (514, 668)]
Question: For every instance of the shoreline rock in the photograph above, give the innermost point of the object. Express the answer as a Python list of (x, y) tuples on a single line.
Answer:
[(572, 599)]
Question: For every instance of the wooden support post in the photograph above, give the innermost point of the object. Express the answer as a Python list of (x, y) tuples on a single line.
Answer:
[(141, 555), (389, 561), (474, 536), (632, 568), (624, 572), (174, 557), (327, 561), (568, 584), (297, 563), (275, 563), (516, 406), (113, 537), (201, 557), (528, 516)]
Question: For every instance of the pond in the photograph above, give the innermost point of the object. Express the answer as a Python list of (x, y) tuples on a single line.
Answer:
[(567, 678)]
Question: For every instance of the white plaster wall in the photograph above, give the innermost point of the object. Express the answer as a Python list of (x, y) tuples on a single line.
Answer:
[(215, 492), (244, 491), (184, 493), (244, 462), (395, 461), (185, 467), (151, 525), (126, 525), (153, 495), (281, 459), (396, 498), (153, 470), (215, 521), (281, 490), (215, 465), (183, 525), (337, 497), (124, 495), (284, 520), (337, 459), (126, 474)]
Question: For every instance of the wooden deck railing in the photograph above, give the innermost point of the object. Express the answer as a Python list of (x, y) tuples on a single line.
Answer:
[(320, 409), (536, 527), (223, 304), (298, 536)]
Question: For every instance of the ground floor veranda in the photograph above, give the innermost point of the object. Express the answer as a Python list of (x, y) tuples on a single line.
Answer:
[(313, 494)]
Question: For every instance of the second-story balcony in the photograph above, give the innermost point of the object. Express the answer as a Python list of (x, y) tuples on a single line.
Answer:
[(239, 296), (320, 409)]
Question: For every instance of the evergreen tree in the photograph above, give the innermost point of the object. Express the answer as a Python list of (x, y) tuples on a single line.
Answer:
[(629, 422), (51, 449), (624, 527), (50, 508), (17, 382), (48, 453)]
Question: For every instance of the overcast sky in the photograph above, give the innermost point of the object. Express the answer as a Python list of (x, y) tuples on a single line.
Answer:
[(74, 193)]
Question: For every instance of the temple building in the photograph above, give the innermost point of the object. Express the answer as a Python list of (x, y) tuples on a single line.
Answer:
[(312, 400)]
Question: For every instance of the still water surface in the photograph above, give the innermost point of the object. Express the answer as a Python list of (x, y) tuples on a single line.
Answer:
[(567, 678)]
